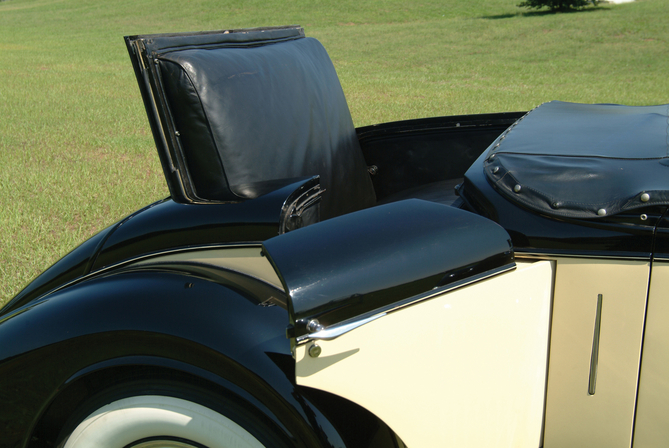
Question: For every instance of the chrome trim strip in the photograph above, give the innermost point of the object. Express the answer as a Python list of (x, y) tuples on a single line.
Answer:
[(447, 288), (594, 357), (550, 255), (379, 312), (335, 331)]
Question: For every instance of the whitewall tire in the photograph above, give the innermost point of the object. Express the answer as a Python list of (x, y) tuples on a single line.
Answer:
[(161, 422)]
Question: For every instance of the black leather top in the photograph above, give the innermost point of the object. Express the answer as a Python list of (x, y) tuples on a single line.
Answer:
[(583, 161), (252, 107)]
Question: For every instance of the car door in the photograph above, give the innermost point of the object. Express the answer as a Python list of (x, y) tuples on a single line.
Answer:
[(597, 326), (652, 416)]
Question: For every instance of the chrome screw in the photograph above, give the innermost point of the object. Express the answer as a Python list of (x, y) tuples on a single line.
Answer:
[(315, 351), (313, 326)]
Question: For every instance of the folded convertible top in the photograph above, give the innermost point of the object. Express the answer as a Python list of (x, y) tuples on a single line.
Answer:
[(583, 161)]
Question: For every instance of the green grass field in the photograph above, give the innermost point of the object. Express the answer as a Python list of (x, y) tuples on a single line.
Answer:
[(76, 153)]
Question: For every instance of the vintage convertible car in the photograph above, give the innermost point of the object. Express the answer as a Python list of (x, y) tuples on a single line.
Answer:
[(491, 280)]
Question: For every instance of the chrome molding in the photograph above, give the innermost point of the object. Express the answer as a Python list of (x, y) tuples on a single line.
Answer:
[(594, 357), (450, 287), (552, 255), (337, 330), (341, 328)]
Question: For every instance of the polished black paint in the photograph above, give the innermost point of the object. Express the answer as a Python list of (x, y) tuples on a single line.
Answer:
[(72, 266), (347, 266), (624, 235), (154, 317), (168, 225)]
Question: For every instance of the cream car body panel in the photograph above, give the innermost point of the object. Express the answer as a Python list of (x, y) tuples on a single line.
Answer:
[(480, 349), (652, 419), (245, 260), (574, 417)]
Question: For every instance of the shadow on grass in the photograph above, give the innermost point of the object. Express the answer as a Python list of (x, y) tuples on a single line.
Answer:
[(545, 13)]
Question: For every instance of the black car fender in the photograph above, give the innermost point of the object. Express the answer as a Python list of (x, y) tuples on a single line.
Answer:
[(160, 329)]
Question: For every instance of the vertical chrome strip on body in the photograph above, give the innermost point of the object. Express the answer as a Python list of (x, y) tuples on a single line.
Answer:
[(594, 357)]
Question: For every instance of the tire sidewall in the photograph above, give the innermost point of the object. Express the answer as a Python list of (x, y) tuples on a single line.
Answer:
[(212, 408), (130, 420)]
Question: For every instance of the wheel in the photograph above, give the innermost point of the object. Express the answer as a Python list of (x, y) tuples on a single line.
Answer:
[(154, 421)]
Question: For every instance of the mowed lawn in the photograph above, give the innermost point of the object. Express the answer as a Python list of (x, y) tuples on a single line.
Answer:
[(76, 153)]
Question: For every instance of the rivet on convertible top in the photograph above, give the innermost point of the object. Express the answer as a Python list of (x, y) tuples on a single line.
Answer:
[(645, 197), (644, 217), (517, 188), (601, 212)]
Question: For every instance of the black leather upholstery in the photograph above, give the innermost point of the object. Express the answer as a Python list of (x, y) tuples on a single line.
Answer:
[(442, 192), (584, 160), (254, 112)]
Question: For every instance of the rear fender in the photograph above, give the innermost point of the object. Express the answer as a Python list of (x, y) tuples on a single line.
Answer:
[(150, 318)]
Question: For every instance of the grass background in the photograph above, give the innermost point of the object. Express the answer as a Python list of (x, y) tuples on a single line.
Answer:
[(76, 153)]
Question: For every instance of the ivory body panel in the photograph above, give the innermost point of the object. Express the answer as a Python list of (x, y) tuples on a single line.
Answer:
[(574, 418), (652, 417), (466, 368), (246, 260)]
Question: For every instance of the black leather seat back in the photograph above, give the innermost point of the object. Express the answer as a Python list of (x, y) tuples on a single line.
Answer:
[(248, 114)]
